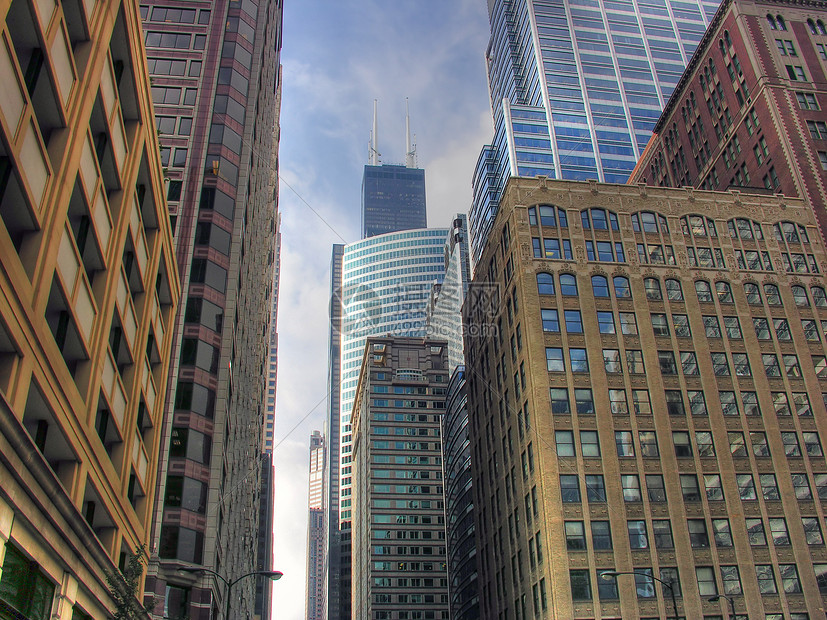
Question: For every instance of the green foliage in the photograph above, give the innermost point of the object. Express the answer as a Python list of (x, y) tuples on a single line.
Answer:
[(124, 587)]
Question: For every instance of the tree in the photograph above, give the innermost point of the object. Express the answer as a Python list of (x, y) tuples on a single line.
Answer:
[(124, 588)]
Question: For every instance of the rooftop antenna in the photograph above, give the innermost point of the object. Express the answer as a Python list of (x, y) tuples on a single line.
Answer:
[(373, 151), (410, 147)]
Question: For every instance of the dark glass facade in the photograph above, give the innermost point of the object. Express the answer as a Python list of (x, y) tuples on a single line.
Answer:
[(393, 198)]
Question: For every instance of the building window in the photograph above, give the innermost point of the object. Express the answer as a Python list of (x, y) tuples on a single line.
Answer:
[(575, 536), (24, 588), (706, 581), (655, 489), (595, 488), (601, 535), (638, 538), (766, 579), (581, 589)]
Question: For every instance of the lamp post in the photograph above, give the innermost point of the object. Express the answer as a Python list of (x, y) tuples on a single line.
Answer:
[(718, 597), (611, 573), (272, 574)]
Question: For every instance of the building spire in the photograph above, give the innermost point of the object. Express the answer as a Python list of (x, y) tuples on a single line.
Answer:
[(410, 148), (373, 147)]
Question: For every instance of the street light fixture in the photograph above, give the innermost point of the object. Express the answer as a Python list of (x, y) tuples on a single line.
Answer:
[(718, 597), (607, 575), (272, 574)]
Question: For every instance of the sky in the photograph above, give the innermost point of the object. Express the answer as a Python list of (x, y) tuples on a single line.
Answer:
[(338, 57)]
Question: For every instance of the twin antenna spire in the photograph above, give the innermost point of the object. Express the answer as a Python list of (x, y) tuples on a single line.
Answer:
[(374, 156)]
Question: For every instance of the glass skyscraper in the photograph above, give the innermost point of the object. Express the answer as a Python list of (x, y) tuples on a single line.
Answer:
[(576, 87), (393, 198)]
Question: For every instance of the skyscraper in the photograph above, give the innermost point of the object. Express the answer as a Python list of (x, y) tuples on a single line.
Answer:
[(576, 88), (314, 605), (333, 605), (444, 311), (386, 283), (650, 409), (216, 87), (399, 565), (393, 196), (88, 294), (751, 109)]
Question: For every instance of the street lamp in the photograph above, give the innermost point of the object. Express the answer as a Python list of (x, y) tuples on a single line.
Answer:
[(718, 597), (272, 574), (607, 575)]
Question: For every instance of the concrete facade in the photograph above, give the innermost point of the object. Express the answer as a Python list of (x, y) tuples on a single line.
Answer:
[(88, 292), (216, 87), (642, 403)]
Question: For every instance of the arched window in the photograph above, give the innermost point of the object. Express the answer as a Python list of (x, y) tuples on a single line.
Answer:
[(782, 25), (600, 286), (623, 289), (550, 216), (772, 294), (652, 287), (812, 26), (800, 296), (724, 291), (721, 46), (649, 222), (568, 284), (545, 283), (753, 293), (742, 228), (599, 219), (673, 290), (771, 22), (727, 38), (698, 226), (703, 290), (790, 232), (819, 297), (821, 28)]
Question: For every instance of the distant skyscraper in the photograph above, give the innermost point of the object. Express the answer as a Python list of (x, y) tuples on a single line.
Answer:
[(576, 88), (444, 312), (399, 560), (216, 86), (332, 606), (273, 359), (393, 196), (386, 283), (315, 595)]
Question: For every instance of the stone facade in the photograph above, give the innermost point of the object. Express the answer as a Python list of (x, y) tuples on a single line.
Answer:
[(643, 403), (88, 294)]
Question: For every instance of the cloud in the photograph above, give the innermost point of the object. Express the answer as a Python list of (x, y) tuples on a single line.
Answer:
[(338, 57)]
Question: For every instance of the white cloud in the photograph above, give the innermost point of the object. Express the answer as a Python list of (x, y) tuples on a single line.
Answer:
[(337, 58)]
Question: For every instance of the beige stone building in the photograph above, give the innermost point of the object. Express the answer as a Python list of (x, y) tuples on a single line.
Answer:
[(648, 397), (88, 289)]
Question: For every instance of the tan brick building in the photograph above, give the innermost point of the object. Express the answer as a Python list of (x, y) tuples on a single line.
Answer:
[(88, 289), (648, 397)]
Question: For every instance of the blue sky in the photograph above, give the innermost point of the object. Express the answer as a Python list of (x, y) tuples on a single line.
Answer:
[(337, 58)]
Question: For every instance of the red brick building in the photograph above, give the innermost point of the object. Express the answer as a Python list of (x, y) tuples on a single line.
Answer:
[(751, 109)]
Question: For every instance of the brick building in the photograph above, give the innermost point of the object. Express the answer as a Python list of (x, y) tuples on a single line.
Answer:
[(643, 403), (751, 109)]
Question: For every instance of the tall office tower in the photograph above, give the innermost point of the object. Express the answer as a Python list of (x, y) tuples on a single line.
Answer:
[(87, 302), (576, 87), (658, 413), (459, 502), (273, 360), (331, 606), (314, 596), (399, 568), (386, 282), (216, 84), (444, 311), (264, 538), (750, 110), (393, 196)]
